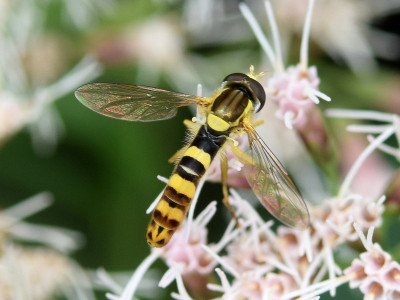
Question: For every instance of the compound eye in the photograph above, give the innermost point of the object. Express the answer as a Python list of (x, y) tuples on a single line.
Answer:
[(254, 85), (236, 77), (258, 90)]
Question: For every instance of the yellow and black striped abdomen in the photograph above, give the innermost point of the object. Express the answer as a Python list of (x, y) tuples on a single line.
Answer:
[(175, 201)]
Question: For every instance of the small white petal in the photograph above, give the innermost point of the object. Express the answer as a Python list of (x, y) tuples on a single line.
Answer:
[(288, 119)]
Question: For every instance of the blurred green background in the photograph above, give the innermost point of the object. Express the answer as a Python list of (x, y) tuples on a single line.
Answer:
[(102, 172)]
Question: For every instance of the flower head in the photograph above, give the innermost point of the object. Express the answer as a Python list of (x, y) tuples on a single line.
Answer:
[(296, 92), (375, 273)]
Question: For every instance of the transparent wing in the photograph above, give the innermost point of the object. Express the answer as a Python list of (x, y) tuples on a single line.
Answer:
[(133, 102), (273, 186)]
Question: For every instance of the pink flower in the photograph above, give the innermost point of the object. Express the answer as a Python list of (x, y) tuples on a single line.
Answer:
[(277, 285), (372, 289), (189, 253), (375, 273), (357, 272), (391, 276), (296, 92), (375, 260)]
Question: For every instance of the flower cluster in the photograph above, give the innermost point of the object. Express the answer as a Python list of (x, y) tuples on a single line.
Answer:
[(19, 276), (29, 88), (274, 264), (258, 260), (376, 274), (295, 92), (33, 74), (295, 89)]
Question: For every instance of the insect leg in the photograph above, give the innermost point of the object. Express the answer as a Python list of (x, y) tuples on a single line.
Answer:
[(242, 156), (224, 179), (257, 123), (193, 128), (178, 154)]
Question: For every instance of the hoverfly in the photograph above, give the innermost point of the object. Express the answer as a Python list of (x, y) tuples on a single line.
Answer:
[(228, 114)]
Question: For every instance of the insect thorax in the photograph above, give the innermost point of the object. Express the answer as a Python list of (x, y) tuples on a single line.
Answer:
[(231, 104)]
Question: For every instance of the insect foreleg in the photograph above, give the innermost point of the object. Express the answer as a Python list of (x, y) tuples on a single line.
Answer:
[(242, 156), (257, 123)]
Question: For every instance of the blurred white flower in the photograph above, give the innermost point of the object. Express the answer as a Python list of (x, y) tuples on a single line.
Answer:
[(39, 273), (20, 277), (30, 81), (344, 36), (390, 127), (12, 226)]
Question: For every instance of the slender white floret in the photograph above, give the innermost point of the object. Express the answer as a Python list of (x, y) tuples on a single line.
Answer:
[(87, 69), (28, 207), (393, 127), (192, 208), (393, 151), (360, 160), (81, 285), (223, 278), (130, 288), (396, 124), (162, 179), (314, 95), (206, 215), (331, 267), (255, 26), (183, 294), (315, 289), (312, 269), (61, 239), (367, 242), (229, 235), (359, 114), (288, 119), (275, 36), (283, 268), (167, 278), (360, 128), (221, 261), (108, 281), (306, 36), (155, 202)]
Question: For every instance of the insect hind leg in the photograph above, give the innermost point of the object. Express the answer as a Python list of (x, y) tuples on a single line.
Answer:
[(224, 179)]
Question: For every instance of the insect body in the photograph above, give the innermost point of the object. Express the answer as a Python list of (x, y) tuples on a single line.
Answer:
[(227, 115)]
